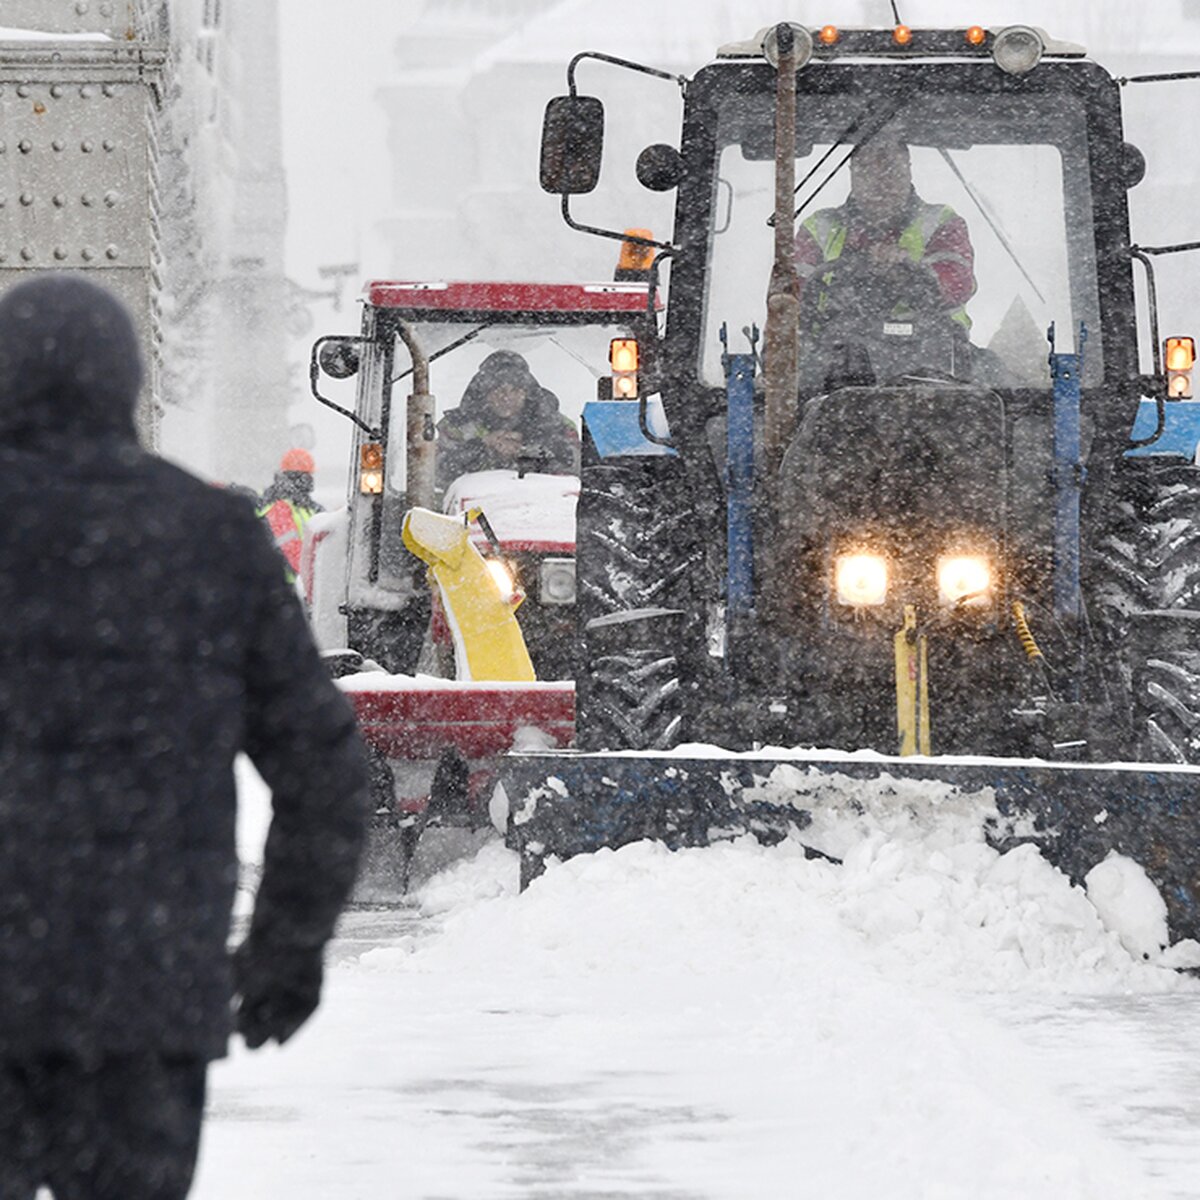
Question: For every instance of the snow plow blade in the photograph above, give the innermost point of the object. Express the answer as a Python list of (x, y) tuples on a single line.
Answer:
[(563, 804), (435, 745)]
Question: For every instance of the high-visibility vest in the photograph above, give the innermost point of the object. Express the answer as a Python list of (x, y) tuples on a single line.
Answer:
[(829, 230), (286, 522)]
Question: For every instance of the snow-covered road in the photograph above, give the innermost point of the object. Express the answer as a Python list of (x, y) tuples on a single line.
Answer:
[(928, 1020)]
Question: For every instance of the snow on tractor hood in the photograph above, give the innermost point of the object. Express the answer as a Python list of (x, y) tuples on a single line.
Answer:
[(534, 512)]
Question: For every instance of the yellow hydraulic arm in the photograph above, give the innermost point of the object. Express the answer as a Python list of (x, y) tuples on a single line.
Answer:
[(488, 644), (912, 686)]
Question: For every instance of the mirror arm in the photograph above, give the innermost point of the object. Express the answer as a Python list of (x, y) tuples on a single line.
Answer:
[(314, 376), (682, 80), (608, 233)]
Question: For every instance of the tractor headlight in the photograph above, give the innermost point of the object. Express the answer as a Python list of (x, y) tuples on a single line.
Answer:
[(557, 581), (1018, 49), (963, 577), (861, 579)]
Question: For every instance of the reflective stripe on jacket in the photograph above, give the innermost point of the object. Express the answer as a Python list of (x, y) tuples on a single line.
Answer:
[(286, 522), (935, 237)]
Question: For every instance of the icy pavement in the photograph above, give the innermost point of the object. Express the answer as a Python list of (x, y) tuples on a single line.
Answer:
[(928, 1020)]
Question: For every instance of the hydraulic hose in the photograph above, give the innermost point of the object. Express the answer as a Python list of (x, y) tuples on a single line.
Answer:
[(1025, 635)]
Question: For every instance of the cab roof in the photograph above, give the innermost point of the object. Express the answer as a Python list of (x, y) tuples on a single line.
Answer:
[(832, 42), (510, 300)]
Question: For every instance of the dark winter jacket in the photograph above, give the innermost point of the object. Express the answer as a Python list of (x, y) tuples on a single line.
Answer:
[(146, 636), (548, 439)]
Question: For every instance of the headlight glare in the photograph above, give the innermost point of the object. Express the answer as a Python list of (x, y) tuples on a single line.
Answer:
[(861, 579), (960, 576), (503, 578)]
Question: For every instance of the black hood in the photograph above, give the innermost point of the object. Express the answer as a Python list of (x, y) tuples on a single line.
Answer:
[(69, 360), (505, 366)]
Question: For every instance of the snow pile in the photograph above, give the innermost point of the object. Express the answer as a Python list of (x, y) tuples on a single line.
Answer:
[(934, 914)]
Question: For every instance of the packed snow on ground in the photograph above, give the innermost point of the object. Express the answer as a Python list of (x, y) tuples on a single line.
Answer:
[(729, 1022)]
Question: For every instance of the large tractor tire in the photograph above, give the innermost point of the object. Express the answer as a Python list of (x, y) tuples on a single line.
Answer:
[(637, 555), (1146, 577)]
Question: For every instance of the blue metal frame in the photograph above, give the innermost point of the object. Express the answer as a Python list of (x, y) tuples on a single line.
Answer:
[(616, 429), (739, 457), (1067, 372), (1181, 430)]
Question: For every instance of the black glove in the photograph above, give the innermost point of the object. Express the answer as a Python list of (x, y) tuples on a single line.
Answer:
[(278, 989)]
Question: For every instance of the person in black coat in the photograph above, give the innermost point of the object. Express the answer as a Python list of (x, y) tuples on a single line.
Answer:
[(147, 637), (505, 416)]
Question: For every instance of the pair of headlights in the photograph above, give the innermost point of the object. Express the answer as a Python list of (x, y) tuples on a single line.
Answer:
[(862, 580), (556, 580)]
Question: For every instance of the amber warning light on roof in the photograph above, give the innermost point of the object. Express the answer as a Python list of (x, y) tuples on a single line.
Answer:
[(635, 256)]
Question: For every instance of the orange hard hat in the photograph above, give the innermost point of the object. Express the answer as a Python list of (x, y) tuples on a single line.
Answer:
[(298, 460)]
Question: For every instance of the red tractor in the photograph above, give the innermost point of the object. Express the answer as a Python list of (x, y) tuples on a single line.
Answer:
[(437, 698)]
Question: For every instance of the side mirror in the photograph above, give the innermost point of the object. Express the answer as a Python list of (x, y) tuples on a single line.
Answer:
[(660, 167), (339, 358), (1133, 165), (572, 145)]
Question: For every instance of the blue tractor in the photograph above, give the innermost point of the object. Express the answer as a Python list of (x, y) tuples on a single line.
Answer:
[(944, 508)]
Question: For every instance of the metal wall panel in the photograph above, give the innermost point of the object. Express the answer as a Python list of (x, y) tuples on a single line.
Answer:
[(77, 178), (116, 18)]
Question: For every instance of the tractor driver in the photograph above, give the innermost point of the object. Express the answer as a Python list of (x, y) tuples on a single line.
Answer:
[(885, 252), (506, 418)]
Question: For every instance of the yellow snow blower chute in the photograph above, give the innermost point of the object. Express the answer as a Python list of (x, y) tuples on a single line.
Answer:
[(478, 595)]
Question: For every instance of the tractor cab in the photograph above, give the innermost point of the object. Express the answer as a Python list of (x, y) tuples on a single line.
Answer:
[(428, 434)]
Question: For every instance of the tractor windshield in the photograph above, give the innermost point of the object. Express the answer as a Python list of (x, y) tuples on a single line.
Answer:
[(476, 372), (937, 233)]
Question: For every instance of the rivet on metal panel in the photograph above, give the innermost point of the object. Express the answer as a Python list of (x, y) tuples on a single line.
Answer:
[(59, 253), (87, 145), (87, 254), (109, 89), (26, 198), (87, 91), (56, 90), (106, 10), (112, 199), (26, 254), (112, 252), (22, 90), (87, 200), (25, 145), (109, 145), (3, 147), (3, 201), (58, 144), (81, 7), (60, 201)]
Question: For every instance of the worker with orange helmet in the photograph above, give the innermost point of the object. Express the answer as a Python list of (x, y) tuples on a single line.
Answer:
[(287, 505)]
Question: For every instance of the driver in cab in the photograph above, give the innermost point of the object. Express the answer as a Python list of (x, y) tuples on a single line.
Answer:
[(885, 250)]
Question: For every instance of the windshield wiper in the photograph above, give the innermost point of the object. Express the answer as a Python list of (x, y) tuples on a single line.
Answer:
[(462, 341), (872, 131), (983, 212)]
